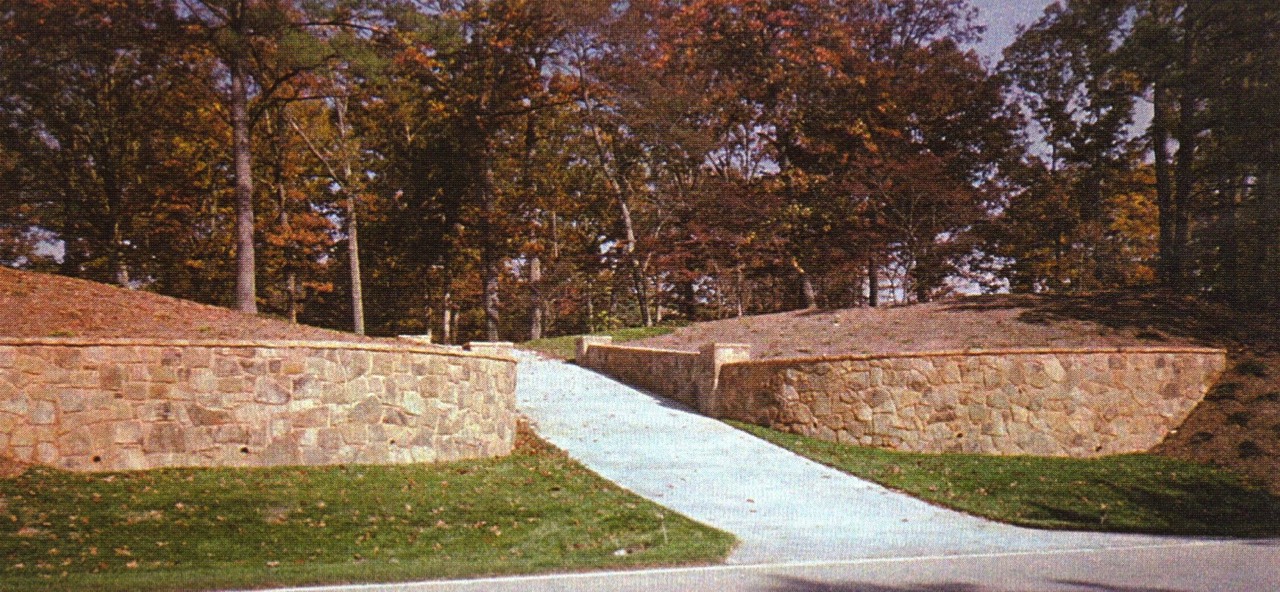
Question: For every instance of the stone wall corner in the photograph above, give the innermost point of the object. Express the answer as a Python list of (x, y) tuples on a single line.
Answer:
[(714, 356), (585, 342)]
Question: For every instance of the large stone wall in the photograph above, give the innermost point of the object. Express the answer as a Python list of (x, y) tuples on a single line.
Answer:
[(686, 377), (1079, 403), (91, 405)]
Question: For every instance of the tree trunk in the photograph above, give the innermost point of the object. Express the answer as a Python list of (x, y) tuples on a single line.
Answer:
[(1183, 186), (490, 257), (291, 289), (535, 298), (535, 263), (688, 299), (290, 276), (922, 292), (740, 287), (810, 292), (241, 151), (1267, 291), (657, 307), (590, 323), (616, 182), (1230, 262), (873, 282), (637, 270), (807, 290), (120, 268), (446, 314), (1164, 186), (353, 254)]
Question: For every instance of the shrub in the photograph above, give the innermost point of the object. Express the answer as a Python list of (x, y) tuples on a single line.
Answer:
[(1224, 391), (1252, 368), (1250, 449)]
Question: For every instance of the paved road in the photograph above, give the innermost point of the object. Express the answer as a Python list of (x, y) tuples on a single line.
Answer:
[(1197, 567)]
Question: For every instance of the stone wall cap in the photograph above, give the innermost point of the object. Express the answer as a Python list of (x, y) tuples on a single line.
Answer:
[(647, 349), (974, 352), (242, 344)]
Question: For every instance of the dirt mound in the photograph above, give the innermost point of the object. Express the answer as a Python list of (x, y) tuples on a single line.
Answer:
[(42, 305), (989, 322), (1238, 424)]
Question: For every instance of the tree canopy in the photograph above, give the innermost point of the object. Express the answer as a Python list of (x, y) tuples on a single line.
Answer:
[(505, 169)]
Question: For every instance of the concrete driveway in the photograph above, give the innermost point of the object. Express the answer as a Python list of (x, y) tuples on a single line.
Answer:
[(784, 508)]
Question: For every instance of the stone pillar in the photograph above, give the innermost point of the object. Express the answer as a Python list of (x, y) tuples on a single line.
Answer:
[(491, 348), (714, 356), (584, 345)]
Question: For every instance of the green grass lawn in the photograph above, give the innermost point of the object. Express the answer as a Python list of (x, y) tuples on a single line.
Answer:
[(535, 511), (565, 347), (1125, 493)]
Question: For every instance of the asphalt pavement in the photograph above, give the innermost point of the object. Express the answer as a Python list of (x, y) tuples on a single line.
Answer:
[(1214, 566)]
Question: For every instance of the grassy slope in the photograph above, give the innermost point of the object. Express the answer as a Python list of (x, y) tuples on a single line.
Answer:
[(1126, 493), (535, 511)]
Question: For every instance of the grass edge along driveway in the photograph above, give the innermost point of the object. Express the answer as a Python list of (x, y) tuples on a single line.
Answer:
[(1132, 493), (536, 511)]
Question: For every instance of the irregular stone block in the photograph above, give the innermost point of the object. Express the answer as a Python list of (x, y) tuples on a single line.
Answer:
[(163, 438), (312, 418), (203, 416), (199, 439), (127, 432), (270, 392), (44, 413), (19, 405), (231, 434), (46, 453), (366, 411), (280, 453)]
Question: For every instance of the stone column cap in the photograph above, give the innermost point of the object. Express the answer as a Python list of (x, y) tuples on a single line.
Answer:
[(585, 342)]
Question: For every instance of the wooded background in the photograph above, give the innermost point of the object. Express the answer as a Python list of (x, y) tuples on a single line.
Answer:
[(520, 168)]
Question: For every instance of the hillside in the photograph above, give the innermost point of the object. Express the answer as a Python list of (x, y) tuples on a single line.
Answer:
[(42, 305), (988, 322), (1237, 426)]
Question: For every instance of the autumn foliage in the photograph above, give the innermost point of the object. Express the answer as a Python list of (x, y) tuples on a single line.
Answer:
[(517, 168)]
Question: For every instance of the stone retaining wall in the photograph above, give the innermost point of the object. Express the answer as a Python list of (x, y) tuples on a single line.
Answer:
[(1079, 403), (97, 405), (686, 377)]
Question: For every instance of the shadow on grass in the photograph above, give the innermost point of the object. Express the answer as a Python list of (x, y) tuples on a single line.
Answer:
[(787, 584), (1193, 508)]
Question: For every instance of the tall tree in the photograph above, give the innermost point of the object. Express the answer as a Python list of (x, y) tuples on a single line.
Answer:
[(89, 109), (264, 46)]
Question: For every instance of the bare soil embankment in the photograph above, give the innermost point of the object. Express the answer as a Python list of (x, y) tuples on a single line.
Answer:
[(43, 305)]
